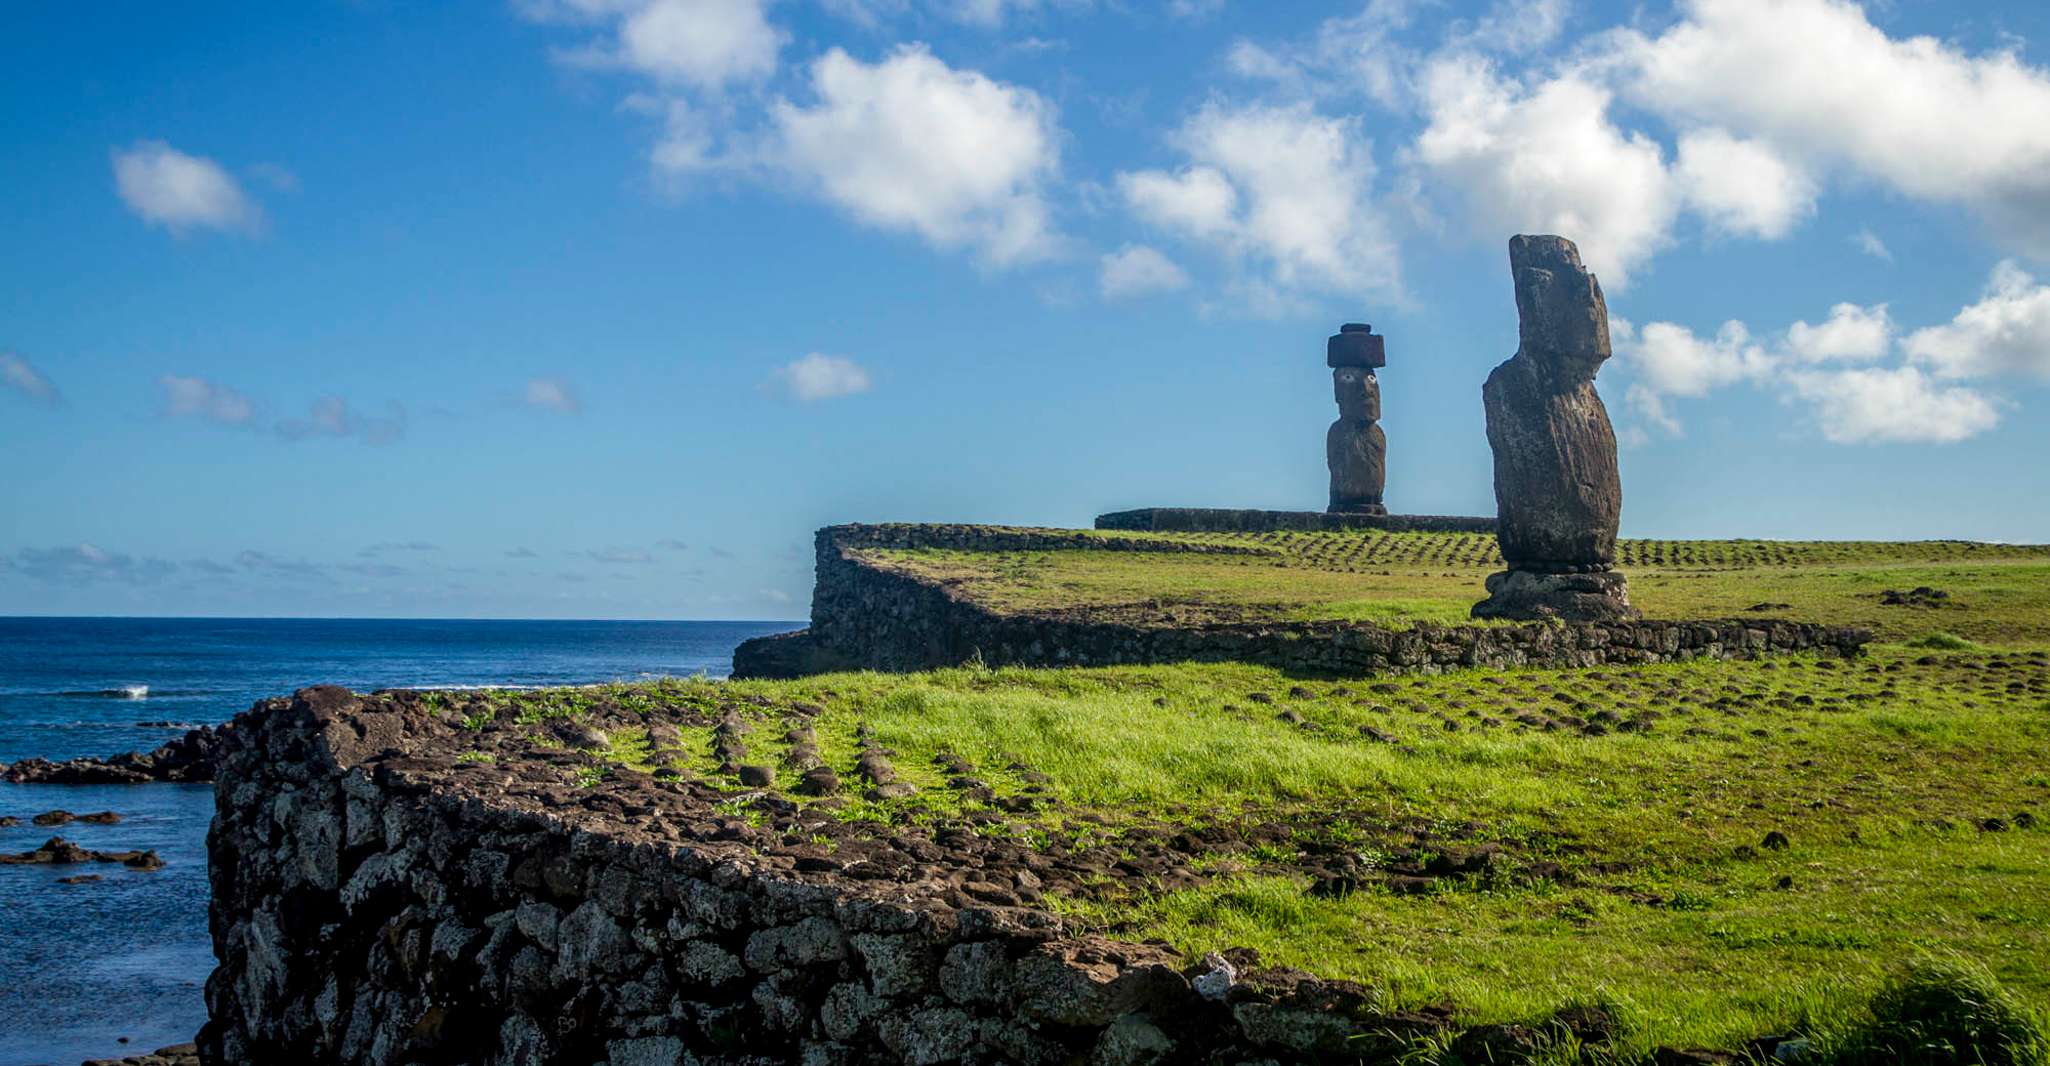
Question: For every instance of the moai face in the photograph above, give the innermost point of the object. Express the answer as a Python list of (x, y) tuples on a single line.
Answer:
[(1563, 320), (1358, 393)]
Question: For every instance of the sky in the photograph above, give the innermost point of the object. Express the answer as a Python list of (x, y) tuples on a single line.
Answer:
[(598, 308)]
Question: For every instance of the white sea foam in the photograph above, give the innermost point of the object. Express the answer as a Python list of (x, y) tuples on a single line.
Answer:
[(134, 692)]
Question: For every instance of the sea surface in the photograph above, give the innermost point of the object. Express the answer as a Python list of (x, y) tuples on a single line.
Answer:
[(82, 966)]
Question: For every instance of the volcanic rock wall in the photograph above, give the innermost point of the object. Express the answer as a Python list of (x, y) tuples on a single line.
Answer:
[(867, 617), (383, 893)]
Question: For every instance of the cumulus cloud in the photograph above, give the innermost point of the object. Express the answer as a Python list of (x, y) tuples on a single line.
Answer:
[(552, 394), (1285, 191), (1514, 26), (911, 144), (20, 375), (1851, 332), (703, 44), (1850, 405), (821, 377), (195, 397), (2006, 332), (1900, 405), (1546, 159), (165, 187), (1741, 186), (1137, 270), (1819, 83), (1868, 242), (1669, 360)]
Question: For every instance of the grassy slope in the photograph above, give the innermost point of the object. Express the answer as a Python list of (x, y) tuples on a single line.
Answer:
[(1882, 774)]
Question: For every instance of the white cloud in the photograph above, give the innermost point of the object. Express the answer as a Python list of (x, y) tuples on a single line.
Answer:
[(701, 44), (1194, 10), (165, 187), (20, 375), (330, 416), (1670, 360), (910, 143), (1820, 83), (1515, 26), (1868, 242), (822, 377), (1198, 201), (1851, 332), (1136, 270), (1742, 186), (553, 394), (1547, 160), (199, 398), (1283, 188), (2006, 332), (1875, 406)]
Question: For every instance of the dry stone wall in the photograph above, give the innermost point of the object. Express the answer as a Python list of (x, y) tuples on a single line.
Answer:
[(382, 895), (866, 616)]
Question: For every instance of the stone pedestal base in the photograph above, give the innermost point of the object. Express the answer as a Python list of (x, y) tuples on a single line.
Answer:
[(1350, 507), (1528, 596)]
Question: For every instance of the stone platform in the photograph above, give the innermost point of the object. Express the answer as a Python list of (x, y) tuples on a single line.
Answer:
[(1228, 520)]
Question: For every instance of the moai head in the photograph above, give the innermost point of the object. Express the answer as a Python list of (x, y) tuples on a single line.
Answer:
[(1358, 393), (1563, 322)]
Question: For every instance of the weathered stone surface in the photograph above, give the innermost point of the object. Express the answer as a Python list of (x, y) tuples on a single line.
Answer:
[(1558, 495), (1355, 345), (1355, 449), (1603, 597)]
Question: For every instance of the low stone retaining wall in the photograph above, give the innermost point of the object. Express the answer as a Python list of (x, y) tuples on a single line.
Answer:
[(866, 617), (1222, 520), (391, 887)]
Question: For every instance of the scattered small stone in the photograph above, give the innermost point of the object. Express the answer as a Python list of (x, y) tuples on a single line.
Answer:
[(1775, 841), (757, 776)]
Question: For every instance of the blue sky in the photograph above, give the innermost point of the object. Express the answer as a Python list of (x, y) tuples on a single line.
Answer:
[(597, 308)]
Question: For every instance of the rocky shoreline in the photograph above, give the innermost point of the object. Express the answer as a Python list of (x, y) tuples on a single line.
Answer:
[(188, 759)]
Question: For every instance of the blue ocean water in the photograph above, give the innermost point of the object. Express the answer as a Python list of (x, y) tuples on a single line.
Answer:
[(84, 965)]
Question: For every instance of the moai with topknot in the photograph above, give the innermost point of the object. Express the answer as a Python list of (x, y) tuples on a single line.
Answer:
[(1355, 447)]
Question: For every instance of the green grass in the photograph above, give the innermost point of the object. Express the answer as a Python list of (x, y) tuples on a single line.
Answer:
[(1906, 920), (1633, 868), (1999, 593)]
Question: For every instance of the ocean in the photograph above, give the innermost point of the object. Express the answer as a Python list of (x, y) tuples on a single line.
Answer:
[(82, 966)]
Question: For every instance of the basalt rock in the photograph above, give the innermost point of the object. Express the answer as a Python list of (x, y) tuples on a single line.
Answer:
[(1558, 496), (187, 759)]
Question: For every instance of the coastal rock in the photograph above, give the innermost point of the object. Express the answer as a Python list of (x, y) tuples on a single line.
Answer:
[(58, 851), (188, 758), (1558, 495)]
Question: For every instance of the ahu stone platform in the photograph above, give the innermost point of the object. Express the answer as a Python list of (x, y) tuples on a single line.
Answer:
[(869, 617), (1230, 520)]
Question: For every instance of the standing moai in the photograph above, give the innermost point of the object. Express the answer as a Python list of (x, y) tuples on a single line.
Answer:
[(1557, 493), (1354, 447)]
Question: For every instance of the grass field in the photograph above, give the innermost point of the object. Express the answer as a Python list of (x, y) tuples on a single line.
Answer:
[(1995, 593), (1710, 852)]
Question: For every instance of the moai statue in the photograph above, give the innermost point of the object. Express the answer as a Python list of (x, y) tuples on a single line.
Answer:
[(1355, 447), (1557, 493)]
